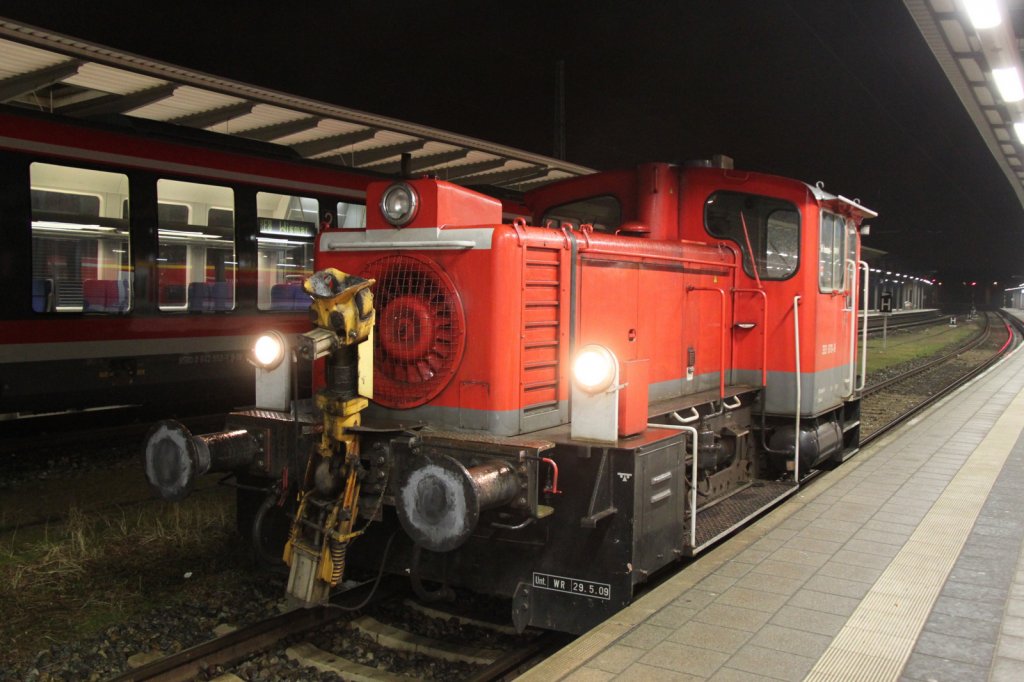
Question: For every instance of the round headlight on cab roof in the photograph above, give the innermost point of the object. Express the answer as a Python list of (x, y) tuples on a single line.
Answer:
[(399, 204)]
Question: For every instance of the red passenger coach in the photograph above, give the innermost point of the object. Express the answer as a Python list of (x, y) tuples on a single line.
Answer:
[(556, 407), (139, 260)]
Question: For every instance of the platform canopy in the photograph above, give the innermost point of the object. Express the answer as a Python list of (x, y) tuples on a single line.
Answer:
[(50, 72), (980, 52)]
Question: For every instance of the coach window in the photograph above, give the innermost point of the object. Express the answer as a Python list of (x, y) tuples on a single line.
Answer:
[(769, 226), (196, 254), (350, 215), (80, 245), (286, 230), (604, 213), (832, 253)]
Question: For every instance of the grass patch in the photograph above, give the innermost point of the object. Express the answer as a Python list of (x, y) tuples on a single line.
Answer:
[(92, 570), (906, 346)]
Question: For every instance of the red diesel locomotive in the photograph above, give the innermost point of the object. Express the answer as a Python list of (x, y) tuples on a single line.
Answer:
[(555, 408)]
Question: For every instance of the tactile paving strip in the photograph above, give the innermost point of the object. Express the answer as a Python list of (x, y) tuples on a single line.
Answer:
[(878, 638)]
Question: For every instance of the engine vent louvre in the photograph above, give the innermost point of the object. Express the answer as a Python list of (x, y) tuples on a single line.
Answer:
[(420, 334)]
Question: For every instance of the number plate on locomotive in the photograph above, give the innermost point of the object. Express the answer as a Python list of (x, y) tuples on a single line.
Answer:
[(583, 588)]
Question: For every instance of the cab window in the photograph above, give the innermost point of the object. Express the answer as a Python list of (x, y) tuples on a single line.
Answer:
[(350, 215), (832, 248), (769, 226)]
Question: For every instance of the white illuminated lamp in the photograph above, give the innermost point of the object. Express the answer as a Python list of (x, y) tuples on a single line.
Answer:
[(594, 413), (273, 374), (983, 13), (1008, 83), (268, 351), (594, 369)]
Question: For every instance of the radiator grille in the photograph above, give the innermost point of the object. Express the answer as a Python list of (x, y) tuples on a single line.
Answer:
[(420, 334)]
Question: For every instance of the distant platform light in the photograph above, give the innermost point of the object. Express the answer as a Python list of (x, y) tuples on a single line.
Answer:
[(1008, 82), (983, 13), (1018, 128)]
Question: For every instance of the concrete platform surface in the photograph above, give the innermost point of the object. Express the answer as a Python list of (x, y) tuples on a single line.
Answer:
[(902, 564)]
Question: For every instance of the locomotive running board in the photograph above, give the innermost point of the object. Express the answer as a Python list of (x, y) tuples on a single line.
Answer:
[(717, 521)]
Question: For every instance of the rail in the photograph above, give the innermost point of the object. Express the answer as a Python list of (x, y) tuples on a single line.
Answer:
[(693, 476), (764, 327), (851, 379), (648, 257), (864, 338), (799, 380), (906, 320), (1015, 329), (724, 335), (971, 344), (236, 646), (523, 658)]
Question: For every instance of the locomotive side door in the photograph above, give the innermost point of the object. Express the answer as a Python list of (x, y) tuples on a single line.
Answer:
[(835, 312)]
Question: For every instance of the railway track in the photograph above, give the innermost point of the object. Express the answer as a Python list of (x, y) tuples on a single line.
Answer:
[(897, 321), (889, 403), (299, 636)]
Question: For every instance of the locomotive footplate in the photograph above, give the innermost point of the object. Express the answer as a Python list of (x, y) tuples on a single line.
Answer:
[(724, 516)]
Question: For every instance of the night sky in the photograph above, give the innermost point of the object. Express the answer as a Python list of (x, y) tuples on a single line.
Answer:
[(845, 92)]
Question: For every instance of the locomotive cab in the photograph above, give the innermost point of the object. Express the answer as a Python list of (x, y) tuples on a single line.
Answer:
[(559, 408), (800, 245)]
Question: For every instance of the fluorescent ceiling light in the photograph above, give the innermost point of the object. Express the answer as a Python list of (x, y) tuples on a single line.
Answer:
[(54, 225), (1018, 128), (983, 13), (1008, 82)]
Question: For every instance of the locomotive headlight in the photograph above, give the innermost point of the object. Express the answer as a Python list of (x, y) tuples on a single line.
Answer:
[(268, 351), (399, 204), (594, 368)]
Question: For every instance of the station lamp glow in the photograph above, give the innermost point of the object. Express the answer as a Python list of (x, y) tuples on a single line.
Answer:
[(1018, 128), (983, 13), (1008, 83)]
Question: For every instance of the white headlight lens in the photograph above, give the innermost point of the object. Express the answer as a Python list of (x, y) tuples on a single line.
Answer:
[(268, 350), (399, 204), (594, 369)]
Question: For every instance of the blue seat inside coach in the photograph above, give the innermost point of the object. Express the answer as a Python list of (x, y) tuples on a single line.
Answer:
[(198, 297), (205, 297), (222, 295), (42, 295), (288, 297)]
